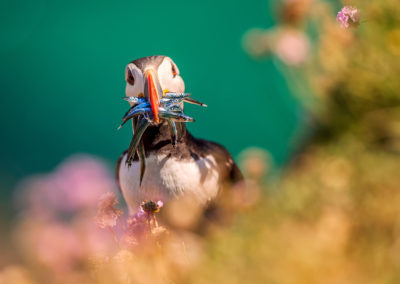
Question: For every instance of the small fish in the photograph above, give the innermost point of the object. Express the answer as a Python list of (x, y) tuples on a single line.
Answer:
[(137, 136), (170, 110), (192, 101), (175, 108), (166, 101), (136, 112), (142, 159), (136, 100), (174, 133), (133, 108), (175, 116), (177, 95)]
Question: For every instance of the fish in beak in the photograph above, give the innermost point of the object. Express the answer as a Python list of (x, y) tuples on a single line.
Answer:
[(149, 110), (153, 92)]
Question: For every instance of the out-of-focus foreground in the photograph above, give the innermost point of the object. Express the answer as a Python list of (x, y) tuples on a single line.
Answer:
[(332, 216)]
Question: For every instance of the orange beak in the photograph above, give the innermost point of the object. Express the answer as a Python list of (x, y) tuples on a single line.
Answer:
[(151, 92)]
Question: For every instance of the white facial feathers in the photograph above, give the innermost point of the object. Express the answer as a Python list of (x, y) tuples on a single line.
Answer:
[(168, 75), (134, 81)]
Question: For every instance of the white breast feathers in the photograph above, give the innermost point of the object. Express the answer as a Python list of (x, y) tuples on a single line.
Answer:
[(168, 177)]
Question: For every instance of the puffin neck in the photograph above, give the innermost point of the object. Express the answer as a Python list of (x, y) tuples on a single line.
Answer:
[(156, 135)]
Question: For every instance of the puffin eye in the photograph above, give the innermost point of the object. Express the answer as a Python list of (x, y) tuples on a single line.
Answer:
[(130, 78), (173, 70)]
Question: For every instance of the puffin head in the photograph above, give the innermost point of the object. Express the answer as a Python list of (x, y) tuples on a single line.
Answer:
[(152, 77)]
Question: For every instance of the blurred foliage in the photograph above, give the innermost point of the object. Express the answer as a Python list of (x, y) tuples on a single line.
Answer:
[(333, 215)]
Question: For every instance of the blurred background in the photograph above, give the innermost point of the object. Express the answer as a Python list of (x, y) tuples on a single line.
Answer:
[(63, 68), (309, 109)]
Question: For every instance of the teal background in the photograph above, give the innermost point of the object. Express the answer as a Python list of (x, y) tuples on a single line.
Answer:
[(62, 77)]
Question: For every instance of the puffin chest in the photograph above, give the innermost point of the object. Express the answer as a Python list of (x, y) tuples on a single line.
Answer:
[(169, 177)]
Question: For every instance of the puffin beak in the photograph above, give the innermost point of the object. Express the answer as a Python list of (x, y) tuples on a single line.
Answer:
[(153, 91)]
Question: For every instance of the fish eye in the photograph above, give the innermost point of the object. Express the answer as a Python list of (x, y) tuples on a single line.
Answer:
[(173, 70), (130, 79)]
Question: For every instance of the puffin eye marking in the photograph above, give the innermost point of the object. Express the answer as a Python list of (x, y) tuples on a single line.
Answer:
[(173, 70), (130, 79)]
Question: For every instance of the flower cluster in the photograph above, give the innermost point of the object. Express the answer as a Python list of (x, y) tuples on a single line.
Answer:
[(348, 16), (55, 228), (143, 224), (71, 228), (139, 227), (107, 215)]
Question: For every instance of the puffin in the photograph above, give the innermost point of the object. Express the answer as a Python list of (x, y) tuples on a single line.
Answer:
[(193, 167)]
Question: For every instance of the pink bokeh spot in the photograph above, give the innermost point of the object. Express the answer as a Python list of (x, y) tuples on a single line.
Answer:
[(292, 47), (75, 185)]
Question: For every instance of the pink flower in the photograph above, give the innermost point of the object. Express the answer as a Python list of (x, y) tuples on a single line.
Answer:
[(80, 180), (107, 215), (73, 187), (54, 244), (348, 16), (107, 201), (143, 223)]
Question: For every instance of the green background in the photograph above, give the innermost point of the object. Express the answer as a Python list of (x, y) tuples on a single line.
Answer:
[(62, 77)]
